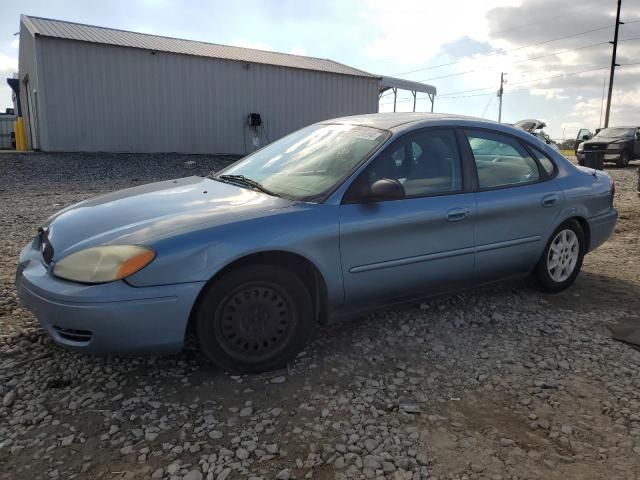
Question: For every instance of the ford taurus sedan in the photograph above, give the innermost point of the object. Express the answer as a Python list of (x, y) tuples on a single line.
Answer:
[(338, 218)]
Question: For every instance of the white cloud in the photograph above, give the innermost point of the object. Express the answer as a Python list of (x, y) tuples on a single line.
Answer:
[(15, 43), (550, 93), (298, 50), (8, 63), (414, 31)]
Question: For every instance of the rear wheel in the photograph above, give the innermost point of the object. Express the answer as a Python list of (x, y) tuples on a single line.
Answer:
[(562, 258), (254, 319), (623, 161)]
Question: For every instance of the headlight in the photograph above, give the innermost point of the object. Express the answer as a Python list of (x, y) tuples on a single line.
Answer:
[(103, 264), (615, 146), (581, 147)]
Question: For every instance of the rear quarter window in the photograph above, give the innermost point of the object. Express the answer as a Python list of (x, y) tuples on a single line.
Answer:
[(547, 165)]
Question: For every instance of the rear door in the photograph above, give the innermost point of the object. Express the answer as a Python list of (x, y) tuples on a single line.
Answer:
[(422, 244), (518, 201)]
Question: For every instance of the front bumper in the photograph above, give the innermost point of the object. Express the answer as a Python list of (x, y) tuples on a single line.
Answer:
[(609, 155), (601, 228), (105, 319)]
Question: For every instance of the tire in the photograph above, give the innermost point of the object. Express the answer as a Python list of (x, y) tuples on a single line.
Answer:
[(254, 319), (623, 161), (568, 243)]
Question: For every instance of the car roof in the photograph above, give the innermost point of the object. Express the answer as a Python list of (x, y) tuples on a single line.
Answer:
[(390, 121)]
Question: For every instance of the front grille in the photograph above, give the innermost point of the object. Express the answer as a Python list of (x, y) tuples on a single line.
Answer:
[(593, 147), (73, 335), (45, 247)]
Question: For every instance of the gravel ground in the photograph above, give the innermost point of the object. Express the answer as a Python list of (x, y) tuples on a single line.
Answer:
[(496, 383)]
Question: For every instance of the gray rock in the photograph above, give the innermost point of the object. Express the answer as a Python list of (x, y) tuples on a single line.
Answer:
[(194, 474), (242, 454), (158, 473), (9, 398), (283, 474), (224, 474), (506, 442), (246, 411)]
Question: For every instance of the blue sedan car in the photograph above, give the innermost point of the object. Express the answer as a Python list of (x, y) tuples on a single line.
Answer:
[(335, 219)]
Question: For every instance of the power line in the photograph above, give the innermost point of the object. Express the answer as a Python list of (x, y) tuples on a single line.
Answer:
[(444, 95), (487, 107), (509, 50), (559, 52)]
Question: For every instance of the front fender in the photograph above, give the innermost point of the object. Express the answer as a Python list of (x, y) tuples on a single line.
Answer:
[(308, 230)]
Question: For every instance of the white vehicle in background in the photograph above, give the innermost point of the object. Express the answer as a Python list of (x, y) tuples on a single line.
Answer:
[(534, 127)]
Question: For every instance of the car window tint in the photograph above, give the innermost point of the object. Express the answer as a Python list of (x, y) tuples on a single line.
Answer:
[(501, 160), (547, 164), (425, 163)]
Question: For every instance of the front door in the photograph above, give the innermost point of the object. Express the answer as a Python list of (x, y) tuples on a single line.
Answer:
[(518, 201), (583, 135), (419, 245)]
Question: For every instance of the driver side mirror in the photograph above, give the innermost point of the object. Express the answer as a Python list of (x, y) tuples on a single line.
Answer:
[(586, 137), (386, 189)]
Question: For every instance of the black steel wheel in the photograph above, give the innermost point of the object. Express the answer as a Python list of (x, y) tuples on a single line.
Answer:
[(623, 161), (254, 319)]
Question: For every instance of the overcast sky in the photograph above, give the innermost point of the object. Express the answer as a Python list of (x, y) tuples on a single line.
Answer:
[(435, 41)]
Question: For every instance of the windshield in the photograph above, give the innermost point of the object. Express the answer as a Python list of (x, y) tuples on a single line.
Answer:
[(615, 132), (309, 162)]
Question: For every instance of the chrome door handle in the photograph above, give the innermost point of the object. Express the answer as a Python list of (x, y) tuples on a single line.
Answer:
[(550, 200), (457, 214)]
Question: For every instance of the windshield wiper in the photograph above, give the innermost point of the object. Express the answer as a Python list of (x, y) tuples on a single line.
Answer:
[(247, 182)]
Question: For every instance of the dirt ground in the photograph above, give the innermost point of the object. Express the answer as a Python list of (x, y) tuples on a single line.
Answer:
[(497, 383)]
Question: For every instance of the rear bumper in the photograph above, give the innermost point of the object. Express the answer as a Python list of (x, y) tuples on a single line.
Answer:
[(601, 228), (106, 319)]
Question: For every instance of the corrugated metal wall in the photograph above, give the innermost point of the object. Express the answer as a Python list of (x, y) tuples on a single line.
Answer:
[(105, 98), (27, 69)]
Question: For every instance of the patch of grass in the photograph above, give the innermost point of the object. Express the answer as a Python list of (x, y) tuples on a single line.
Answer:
[(567, 153)]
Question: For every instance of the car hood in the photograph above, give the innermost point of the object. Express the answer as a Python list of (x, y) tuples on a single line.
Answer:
[(143, 214), (607, 140)]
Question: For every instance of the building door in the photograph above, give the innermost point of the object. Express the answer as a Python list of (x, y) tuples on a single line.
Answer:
[(32, 120)]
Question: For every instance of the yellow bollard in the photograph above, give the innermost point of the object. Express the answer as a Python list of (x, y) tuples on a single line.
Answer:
[(21, 144)]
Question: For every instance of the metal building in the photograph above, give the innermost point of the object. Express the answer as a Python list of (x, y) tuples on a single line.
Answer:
[(87, 88)]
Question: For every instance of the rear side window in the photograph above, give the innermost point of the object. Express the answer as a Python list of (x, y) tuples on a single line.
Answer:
[(547, 164), (501, 160)]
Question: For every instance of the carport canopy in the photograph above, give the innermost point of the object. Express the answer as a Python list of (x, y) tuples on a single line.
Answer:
[(393, 84)]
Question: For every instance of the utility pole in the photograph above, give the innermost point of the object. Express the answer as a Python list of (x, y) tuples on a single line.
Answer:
[(613, 65), (500, 92)]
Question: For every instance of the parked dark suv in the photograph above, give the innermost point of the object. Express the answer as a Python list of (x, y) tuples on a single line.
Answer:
[(619, 145)]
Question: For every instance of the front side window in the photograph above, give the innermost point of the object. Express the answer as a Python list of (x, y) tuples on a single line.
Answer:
[(309, 162), (425, 163), (501, 160)]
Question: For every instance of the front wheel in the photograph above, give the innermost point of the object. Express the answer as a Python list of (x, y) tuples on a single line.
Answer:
[(623, 161), (254, 319), (562, 258)]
